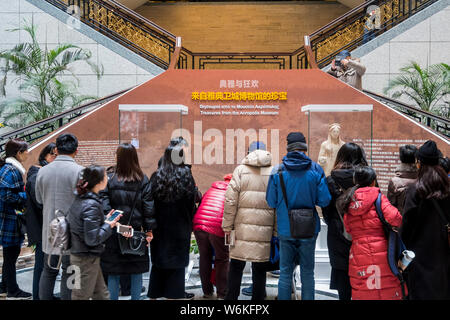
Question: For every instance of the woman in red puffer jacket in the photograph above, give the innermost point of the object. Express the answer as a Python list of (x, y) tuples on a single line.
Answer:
[(370, 275), (209, 234)]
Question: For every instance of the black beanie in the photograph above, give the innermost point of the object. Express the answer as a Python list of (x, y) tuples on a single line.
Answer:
[(429, 153), (296, 140)]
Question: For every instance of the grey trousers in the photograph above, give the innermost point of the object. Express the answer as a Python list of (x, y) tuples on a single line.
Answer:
[(91, 282), (48, 278)]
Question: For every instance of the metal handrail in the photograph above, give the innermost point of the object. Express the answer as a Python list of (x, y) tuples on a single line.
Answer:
[(45, 124), (428, 115)]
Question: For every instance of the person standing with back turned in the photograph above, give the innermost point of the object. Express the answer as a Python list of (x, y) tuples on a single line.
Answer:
[(34, 214), (55, 190), (306, 188), (405, 174), (128, 190), (12, 202), (425, 228), (348, 157), (248, 214)]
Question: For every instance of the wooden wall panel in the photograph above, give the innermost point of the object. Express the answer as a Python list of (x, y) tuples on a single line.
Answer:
[(242, 26)]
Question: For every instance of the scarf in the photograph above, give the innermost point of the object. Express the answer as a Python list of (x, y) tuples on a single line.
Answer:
[(13, 161)]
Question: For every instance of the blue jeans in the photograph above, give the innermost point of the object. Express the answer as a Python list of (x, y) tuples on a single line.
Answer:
[(136, 286), (368, 35), (293, 252)]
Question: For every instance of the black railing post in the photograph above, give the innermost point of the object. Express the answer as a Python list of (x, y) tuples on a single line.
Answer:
[(88, 10)]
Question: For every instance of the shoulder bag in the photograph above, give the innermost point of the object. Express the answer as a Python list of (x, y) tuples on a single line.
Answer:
[(302, 221), (137, 244)]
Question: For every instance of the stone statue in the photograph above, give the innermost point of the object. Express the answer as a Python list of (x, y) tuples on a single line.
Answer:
[(329, 149)]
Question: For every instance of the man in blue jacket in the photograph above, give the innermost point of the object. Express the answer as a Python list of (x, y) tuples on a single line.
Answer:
[(306, 187)]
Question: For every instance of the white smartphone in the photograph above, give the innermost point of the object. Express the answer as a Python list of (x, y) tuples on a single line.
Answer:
[(114, 215), (122, 229)]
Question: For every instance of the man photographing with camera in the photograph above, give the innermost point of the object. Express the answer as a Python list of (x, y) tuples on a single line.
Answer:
[(348, 69)]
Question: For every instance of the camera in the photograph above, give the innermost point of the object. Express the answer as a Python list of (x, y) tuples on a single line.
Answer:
[(337, 61)]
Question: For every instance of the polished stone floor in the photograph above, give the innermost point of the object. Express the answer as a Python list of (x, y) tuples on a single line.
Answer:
[(193, 285)]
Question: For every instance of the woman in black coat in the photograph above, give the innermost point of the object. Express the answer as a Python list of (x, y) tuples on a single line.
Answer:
[(89, 229), (174, 192), (34, 214), (424, 230), (340, 179), (126, 184)]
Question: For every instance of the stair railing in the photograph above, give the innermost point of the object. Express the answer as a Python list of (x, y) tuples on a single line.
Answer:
[(156, 44), (434, 122), (40, 129)]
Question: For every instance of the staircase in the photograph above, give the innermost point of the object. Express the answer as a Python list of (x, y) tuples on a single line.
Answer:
[(438, 124), (160, 47), (157, 45)]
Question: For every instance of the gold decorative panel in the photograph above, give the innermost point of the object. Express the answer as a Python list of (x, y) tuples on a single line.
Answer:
[(354, 31), (127, 30)]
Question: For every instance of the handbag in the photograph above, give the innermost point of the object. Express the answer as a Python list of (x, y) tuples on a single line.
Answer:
[(447, 226), (137, 244), (302, 221)]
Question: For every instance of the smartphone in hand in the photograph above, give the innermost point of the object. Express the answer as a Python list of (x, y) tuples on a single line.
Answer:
[(114, 215), (122, 229), (229, 238)]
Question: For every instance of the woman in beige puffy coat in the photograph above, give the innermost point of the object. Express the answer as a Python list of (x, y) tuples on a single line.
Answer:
[(250, 218)]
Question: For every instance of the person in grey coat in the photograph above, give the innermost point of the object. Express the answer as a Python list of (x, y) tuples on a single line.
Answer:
[(55, 190)]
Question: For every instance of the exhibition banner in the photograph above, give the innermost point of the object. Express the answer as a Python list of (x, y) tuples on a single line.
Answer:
[(220, 112)]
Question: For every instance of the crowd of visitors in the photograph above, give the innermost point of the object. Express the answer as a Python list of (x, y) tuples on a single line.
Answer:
[(117, 219)]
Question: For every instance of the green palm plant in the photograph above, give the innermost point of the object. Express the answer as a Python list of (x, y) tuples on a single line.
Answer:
[(446, 72), (39, 72), (425, 86)]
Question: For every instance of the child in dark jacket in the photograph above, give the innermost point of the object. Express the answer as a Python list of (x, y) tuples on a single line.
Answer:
[(89, 231), (369, 272)]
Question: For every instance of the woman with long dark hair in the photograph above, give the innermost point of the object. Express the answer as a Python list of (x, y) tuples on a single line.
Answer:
[(89, 229), (128, 190), (174, 191), (348, 157), (425, 228), (369, 272), (34, 214), (12, 202)]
